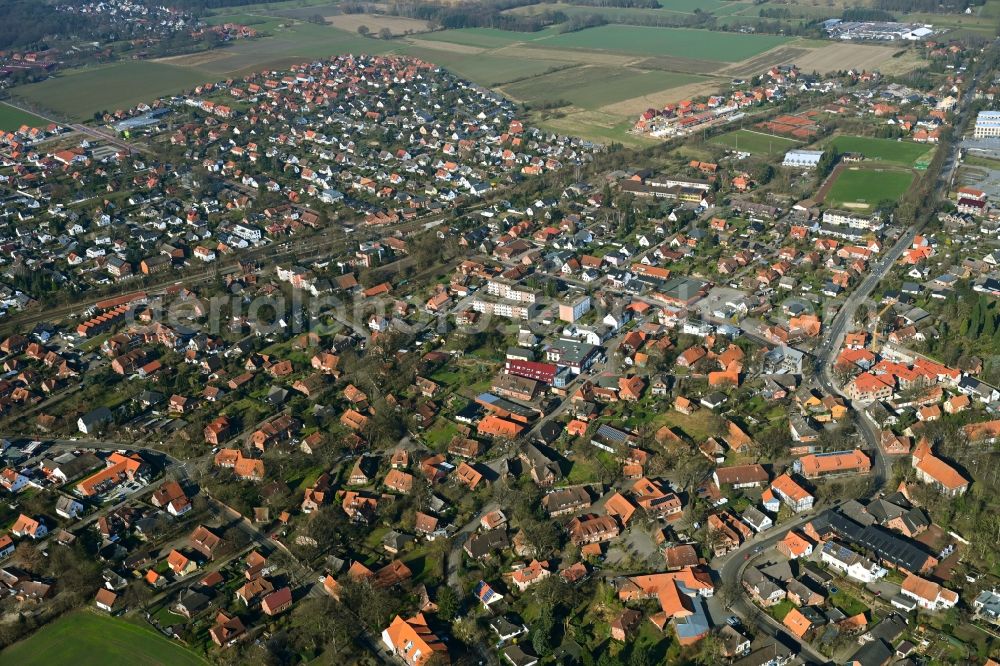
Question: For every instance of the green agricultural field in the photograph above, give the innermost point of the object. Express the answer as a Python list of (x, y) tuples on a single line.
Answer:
[(594, 87), (12, 119), (903, 153), (632, 14), (486, 70), (677, 42), (84, 638), (283, 47), (79, 94), (860, 187), (756, 143)]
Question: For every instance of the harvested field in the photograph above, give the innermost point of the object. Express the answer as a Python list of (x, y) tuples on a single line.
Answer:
[(633, 106), (685, 65), (857, 56), (447, 47), (827, 57), (486, 38), (531, 51), (757, 64), (194, 59), (397, 25)]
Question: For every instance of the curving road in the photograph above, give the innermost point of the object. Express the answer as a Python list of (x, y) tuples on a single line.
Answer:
[(732, 566)]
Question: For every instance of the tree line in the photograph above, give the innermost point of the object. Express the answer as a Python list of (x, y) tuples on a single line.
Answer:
[(935, 6)]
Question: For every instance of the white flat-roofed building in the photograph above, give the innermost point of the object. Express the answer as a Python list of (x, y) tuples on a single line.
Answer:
[(802, 159), (987, 125), (853, 220)]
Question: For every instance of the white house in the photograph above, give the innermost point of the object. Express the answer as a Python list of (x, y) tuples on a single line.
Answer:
[(853, 565), (928, 594), (68, 508), (92, 421), (757, 519), (247, 233), (204, 253)]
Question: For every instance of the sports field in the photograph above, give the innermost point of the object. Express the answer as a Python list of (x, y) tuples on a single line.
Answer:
[(903, 153), (85, 638), (12, 119), (757, 143), (640, 40), (864, 188), (79, 94)]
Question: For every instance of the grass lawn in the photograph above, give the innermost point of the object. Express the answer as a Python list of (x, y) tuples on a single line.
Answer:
[(904, 153), (79, 94), (439, 436), (868, 187), (694, 425), (374, 539), (781, 609), (848, 604), (582, 471), (84, 638), (756, 143), (12, 119), (677, 42), (594, 87), (983, 162)]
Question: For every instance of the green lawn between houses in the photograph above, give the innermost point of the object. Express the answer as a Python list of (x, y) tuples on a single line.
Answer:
[(85, 638)]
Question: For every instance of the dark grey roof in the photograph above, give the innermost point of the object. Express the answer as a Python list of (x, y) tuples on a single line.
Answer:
[(481, 545), (875, 653), (857, 512), (893, 549), (890, 628), (612, 434)]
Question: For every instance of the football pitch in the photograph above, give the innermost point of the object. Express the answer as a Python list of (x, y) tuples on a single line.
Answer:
[(865, 188), (903, 153)]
